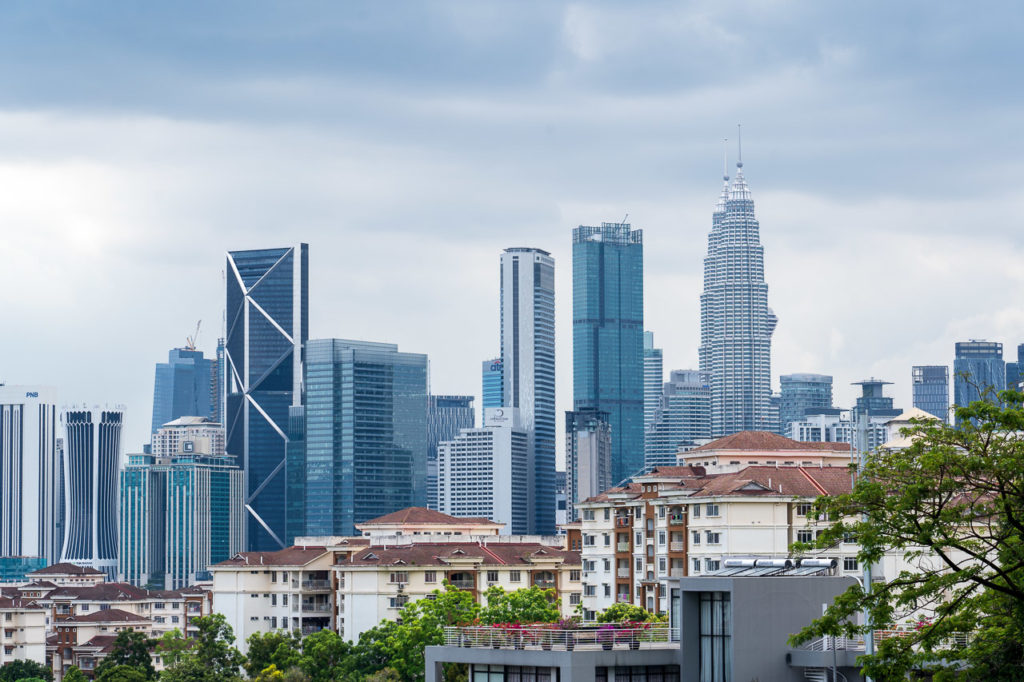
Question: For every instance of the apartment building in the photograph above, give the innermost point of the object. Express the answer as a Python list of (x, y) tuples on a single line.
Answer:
[(85, 640), (683, 521), (754, 448), (24, 631)]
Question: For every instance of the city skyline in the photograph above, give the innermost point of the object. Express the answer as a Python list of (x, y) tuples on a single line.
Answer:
[(899, 196)]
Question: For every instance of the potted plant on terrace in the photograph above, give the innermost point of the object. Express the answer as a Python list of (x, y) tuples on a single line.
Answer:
[(568, 627), (606, 636)]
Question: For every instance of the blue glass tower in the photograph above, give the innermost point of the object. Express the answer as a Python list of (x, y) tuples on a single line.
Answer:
[(365, 435), (931, 389), (185, 386), (608, 335), (801, 392), (978, 371), (493, 384), (1015, 370), (446, 416), (267, 312)]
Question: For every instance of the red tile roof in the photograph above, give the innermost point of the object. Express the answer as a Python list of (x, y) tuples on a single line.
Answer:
[(109, 592), (444, 554), (106, 616), (771, 481), (289, 556), (766, 440), (66, 569), (17, 603), (423, 515)]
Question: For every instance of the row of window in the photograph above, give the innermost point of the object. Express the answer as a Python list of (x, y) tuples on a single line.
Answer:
[(402, 577)]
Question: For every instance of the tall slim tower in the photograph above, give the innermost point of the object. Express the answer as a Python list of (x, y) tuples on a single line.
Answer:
[(528, 361), (184, 386), (608, 335), (267, 324), (654, 375), (736, 323), (92, 458), (446, 416)]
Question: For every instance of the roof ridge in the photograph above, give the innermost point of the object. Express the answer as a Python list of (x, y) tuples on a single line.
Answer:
[(491, 554), (810, 478)]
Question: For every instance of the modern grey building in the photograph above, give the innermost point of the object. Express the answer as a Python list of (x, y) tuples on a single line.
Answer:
[(364, 439), (683, 417), (802, 391), (185, 386), (528, 363), (978, 370), (588, 457), (92, 459), (736, 323), (608, 335), (31, 475), (446, 416), (267, 316), (492, 383), (931, 389), (654, 377)]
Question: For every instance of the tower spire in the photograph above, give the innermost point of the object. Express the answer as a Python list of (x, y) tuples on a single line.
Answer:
[(725, 159), (739, 146)]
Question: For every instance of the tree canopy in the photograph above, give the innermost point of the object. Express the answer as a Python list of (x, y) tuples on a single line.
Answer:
[(952, 504), (21, 669), (132, 649), (527, 605)]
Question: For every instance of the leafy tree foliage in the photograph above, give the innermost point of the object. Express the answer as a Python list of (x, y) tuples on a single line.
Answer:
[(954, 503), (278, 649), (323, 656), (121, 673), (130, 648), (209, 657), (623, 611), (75, 675), (20, 670), (527, 605), (172, 647)]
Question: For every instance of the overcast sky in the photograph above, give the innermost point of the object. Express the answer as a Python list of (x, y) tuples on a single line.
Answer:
[(408, 144)]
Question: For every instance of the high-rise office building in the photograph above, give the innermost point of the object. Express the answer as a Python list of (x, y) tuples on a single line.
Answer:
[(683, 417), (365, 422), (528, 361), (267, 312), (736, 323), (179, 515), (978, 371), (484, 472), (1015, 370), (185, 385), (446, 416), (199, 434), (654, 376), (92, 458), (219, 383), (588, 457), (801, 392), (31, 480), (493, 374), (931, 389), (608, 335)]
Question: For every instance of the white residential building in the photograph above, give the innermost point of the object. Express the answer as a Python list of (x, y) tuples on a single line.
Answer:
[(753, 448)]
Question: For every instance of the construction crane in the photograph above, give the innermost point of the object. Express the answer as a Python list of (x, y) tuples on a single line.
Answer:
[(190, 341)]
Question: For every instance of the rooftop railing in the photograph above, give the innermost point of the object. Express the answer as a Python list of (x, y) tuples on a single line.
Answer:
[(543, 637)]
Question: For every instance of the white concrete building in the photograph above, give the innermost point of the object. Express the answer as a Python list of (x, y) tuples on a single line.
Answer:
[(24, 631), (189, 434), (753, 448)]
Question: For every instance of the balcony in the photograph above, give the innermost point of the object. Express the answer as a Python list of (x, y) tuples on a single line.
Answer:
[(676, 520), (677, 546), (315, 607), (622, 547), (622, 521), (316, 585), (623, 573), (624, 598), (542, 636), (463, 584), (677, 573)]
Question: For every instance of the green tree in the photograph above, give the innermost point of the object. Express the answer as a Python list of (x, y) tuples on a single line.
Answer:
[(323, 656), (215, 646), (121, 673), (73, 674), (130, 648), (190, 669), (20, 670), (953, 502), (172, 647), (277, 648), (31, 679), (623, 611), (526, 605)]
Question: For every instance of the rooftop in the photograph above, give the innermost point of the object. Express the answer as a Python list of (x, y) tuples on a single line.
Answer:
[(289, 556), (766, 440), (447, 554), (422, 515), (65, 569)]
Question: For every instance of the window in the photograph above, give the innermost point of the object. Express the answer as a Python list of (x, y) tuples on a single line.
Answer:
[(639, 565), (273, 600), (850, 563), (712, 564), (273, 576), (803, 509), (574, 576), (574, 598), (399, 577), (588, 514), (714, 634), (661, 512), (589, 590), (284, 600), (711, 509), (607, 513), (713, 538), (849, 539), (492, 576), (430, 577), (696, 565), (607, 540), (158, 605), (805, 536), (607, 590), (588, 565), (662, 564), (696, 511), (284, 576), (662, 537), (399, 601), (588, 540), (639, 539), (273, 623), (696, 537)]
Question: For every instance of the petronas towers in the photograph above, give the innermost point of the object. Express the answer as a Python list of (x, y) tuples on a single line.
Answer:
[(736, 323)]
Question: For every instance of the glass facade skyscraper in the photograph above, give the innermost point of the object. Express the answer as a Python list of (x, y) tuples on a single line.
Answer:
[(608, 335), (931, 389), (365, 436), (654, 376), (683, 417), (446, 416), (185, 386), (267, 311), (588, 457), (978, 371), (800, 392), (528, 361), (1015, 370), (736, 324), (492, 373)]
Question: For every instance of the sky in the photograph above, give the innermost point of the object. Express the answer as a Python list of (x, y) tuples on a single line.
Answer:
[(409, 143)]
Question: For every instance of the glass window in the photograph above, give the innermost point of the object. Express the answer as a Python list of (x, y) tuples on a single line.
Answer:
[(430, 577), (715, 633)]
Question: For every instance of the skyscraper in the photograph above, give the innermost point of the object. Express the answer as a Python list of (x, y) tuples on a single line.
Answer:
[(654, 376), (1015, 370), (588, 456), (92, 457), (528, 361), (682, 419), (978, 371), (608, 335), (267, 312), (492, 373), (736, 323), (485, 472), (31, 481), (365, 440), (931, 389), (803, 391), (185, 385), (446, 416)]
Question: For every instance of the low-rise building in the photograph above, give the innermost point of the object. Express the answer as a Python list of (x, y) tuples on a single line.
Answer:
[(24, 630), (753, 448)]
